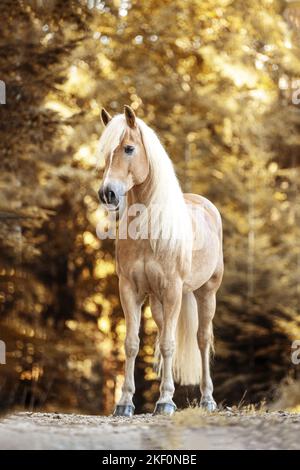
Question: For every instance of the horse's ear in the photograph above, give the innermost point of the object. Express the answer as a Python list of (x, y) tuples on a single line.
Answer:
[(130, 116), (105, 117)]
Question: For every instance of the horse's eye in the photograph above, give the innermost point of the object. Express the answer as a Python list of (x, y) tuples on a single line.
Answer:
[(129, 149)]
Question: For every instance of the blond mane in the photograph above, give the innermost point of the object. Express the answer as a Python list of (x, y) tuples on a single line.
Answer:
[(163, 192)]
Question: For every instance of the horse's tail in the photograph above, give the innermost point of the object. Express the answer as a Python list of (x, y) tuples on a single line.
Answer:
[(186, 359)]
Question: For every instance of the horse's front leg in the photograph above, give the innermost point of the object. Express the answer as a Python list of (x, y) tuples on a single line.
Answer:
[(171, 309), (131, 304)]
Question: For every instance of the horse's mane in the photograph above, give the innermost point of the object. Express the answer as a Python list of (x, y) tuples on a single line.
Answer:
[(164, 193)]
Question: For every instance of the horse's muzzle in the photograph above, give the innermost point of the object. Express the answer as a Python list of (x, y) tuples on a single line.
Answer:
[(110, 195)]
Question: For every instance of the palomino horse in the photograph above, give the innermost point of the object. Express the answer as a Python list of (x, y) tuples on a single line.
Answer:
[(180, 267)]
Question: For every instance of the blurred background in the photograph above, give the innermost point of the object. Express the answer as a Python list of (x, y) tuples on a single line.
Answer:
[(219, 80)]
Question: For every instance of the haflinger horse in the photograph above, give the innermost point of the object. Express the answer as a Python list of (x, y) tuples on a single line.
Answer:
[(179, 268)]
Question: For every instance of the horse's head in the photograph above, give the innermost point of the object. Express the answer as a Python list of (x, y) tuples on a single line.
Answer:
[(126, 163)]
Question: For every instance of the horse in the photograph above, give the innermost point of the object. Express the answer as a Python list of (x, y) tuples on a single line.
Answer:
[(179, 267)]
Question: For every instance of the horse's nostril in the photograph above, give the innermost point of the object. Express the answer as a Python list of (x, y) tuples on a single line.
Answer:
[(108, 196), (111, 197)]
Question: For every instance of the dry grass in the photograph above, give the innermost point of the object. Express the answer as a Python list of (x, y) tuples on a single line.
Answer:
[(287, 402), (288, 396)]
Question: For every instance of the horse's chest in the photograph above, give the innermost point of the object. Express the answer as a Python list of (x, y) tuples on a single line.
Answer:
[(143, 270)]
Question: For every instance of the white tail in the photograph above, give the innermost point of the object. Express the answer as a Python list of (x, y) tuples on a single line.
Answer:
[(187, 359)]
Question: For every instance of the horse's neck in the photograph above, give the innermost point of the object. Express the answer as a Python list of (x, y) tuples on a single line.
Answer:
[(165, 206), (165, 218)]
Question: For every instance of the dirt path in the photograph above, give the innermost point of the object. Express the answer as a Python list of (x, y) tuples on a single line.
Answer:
[(189, 429)]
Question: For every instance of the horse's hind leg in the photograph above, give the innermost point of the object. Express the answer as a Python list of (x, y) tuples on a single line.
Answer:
[(157, 315), (171, 308), (206, 301), (131, 303)]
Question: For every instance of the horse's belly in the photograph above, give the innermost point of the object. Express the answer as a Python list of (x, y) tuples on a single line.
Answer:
[(204, 264)]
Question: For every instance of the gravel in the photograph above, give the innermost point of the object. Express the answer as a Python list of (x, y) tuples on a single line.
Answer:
[(188, 429)]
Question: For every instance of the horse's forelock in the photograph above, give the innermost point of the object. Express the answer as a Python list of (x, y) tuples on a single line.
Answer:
[(111, 137)]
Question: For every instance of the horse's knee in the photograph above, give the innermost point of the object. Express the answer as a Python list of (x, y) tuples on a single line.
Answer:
[(131, 347), (167, 348)]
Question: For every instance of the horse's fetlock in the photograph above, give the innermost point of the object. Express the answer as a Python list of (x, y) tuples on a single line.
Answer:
[(128, 389), (168, 389)]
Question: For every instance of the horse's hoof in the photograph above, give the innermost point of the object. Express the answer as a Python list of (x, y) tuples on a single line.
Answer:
[(208, 405), (166, 409), (124, 410)]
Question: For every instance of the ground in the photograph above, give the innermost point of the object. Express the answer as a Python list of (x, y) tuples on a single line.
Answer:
[(188, 429)]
